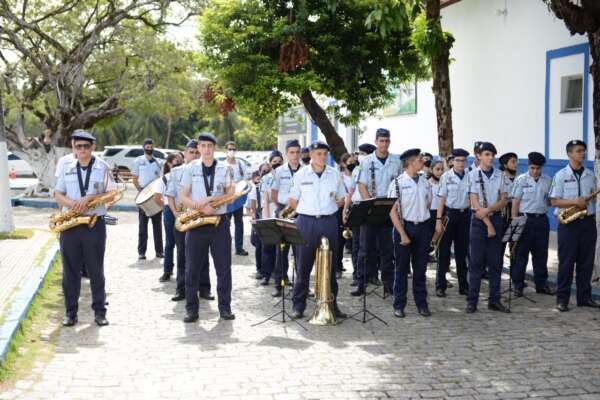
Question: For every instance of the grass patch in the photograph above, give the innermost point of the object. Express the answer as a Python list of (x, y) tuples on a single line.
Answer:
[(34, 341), (19, 233)]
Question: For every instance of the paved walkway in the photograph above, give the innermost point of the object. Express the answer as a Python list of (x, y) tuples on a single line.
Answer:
[(148, 352)]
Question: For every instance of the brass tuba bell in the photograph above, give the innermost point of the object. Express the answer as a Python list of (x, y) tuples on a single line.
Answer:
[(323, 314)]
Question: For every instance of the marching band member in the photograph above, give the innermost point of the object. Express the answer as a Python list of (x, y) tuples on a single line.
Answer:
[(305, 156), (453, 200), (280, 192), (203, 182), (347, 165), (576, 240), (410, 216), (378, 170), (530, 198), (508, 165), (316, 194), (254, 205), (79, 181), (437, 169), (488, 195), (146, 169), (239, 173)]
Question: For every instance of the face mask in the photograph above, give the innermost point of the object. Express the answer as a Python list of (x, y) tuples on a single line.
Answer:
[(351, 167), (511, 171), (148, 151), (276, 165), (361, 157), (427, 163), (230, 153), (305, 160)]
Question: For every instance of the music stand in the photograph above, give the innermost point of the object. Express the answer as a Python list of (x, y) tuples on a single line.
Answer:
[(374, 211), (512, 235), (279, 232)]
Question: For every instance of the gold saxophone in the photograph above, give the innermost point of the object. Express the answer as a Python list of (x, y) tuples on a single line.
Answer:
[(287, 213), (194, 218), (568, 215), (69, 219), (323, 314), (437, 237)]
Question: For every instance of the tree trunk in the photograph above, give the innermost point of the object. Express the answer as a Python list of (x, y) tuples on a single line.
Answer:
[(441, 89), (594, 40), (319, 116), (169, 126), (43, 164)]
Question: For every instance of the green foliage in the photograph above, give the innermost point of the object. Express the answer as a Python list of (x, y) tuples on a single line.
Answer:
[(349, 62), (429, 37)]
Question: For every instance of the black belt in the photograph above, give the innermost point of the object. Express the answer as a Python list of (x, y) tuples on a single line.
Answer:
[(458, 210), (532, 215), (415, 223), (318, 216)]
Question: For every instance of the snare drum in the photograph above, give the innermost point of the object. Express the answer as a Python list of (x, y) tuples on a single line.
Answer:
[(145, 199)]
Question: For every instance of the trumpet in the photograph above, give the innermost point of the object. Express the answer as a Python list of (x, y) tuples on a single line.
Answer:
[(437, 237), (568, 215)]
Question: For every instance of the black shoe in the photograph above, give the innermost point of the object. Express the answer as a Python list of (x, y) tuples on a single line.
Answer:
[(388, 290), (463, 292), (440, 293), (165, 277), (562, 307), (84, 274), (297, 314), (590, 303), (258, 276), (399, 313), (264, 282), (338, 313), (484, 275), (190, 318), (227, 315), (518, 292), (449, 285), (178, 297), (471, 308), (69, 321), (101, 320), (498, 307), (374, 281), (354, 283), (141, 257), (160, 255), (206, 296), (424, 311), (241, 252), (277, 292), (546, 290), (358, 291)]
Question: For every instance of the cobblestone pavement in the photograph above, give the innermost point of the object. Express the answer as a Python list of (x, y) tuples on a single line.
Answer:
[(148, 352)]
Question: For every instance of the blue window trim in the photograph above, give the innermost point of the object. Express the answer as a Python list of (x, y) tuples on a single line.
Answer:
[(583, 48)]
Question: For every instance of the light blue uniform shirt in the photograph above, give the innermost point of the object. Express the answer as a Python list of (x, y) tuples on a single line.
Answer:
[(317, 196), (193, 179), (238, 168), (356, 197), (282, 182), (100, 180), (383, 173), (415, 198), (566, 186), (533, 195), (494, 186), (145, 170), (455, 190), (174, 184)]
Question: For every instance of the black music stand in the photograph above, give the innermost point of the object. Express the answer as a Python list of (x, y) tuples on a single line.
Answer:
[(374, 211), (282, 233), (512, 235)]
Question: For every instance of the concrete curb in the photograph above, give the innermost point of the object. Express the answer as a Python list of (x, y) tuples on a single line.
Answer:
[(47, 203), (22, 301)]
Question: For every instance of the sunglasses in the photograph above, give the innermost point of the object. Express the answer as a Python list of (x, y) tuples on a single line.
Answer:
[(83, 146)]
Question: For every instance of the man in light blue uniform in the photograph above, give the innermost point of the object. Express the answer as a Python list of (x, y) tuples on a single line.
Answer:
[(239, 174), (79, 181), (205, 181), (530, 198), (453, 201), (280, 193), (146, 169), (378, 170), (572, 186), (316, 194), (488, 195), (410, 216), (190, 154)]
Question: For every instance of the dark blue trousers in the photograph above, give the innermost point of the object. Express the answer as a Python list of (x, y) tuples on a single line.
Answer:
[(268, 257), (576, 248), (312, 229), (355, 249), (81, 246), (169, 221), (534, 240), (143, 232), (416, 253), (204, 283), (457, 232), (198, 242), (238, 219), (281, 259), (484, 252), (375, 244), (257, 243)]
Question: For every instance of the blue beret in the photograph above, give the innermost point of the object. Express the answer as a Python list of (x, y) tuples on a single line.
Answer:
[(425, 154), (507, 156), (305, 150), (82, 135), (576, 142), (275, 153), (410, 153), (536, 158), (476, 146), (382, 132), (207, 137), (319, 145), (367, 148), (460, 153), (193, 143), (487, 146), (292, 143), (148, 141)]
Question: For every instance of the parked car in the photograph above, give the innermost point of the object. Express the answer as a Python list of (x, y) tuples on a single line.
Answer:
[(121, 157), (220, 156), (21, 167)]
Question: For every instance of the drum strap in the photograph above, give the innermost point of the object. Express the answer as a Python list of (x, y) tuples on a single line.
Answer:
[(83, 188), (208, 173)]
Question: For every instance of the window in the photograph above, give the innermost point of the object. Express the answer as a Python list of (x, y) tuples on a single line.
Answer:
[(112, 152), (158, 154), (12, 157), (571, 93), (134, 153)]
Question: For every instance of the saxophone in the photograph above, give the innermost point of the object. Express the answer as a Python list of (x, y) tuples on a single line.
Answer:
[(323, 314), (568, 215), (192, 219), (69, 219)]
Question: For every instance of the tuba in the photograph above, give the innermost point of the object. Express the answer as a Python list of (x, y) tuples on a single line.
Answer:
[(568, 215), (437, 238), (323, 314), (194, 218), (69, 219)]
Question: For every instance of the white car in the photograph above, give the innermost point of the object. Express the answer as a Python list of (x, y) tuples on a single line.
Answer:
[(21, 167), (122, 157), (220, 156)]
